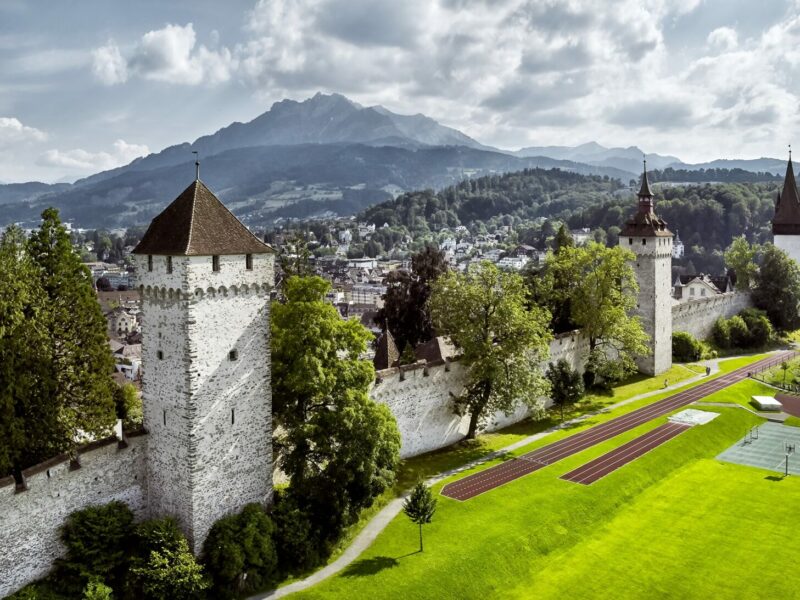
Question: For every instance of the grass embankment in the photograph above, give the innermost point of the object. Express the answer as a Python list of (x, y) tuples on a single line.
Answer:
[(539, 536), (430, 464), (777, 376)]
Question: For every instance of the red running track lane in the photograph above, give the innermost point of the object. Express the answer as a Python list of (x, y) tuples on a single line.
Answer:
[(619, 457), (480, 482)]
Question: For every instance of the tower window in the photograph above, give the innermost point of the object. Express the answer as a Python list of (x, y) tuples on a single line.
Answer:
[(164, 415), (149, 262), (215, 263), (160, 355), (248, 262), (233, 355), (233, 416), (630, 241), (169, 264), (644, 241)]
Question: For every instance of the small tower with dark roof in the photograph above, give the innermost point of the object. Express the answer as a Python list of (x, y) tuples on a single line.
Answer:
[(786, 222), (205, 281), (647, 236)]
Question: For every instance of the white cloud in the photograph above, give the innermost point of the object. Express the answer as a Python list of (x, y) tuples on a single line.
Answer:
[(170, 54), (12, 131), (108, 65), (83, 160), (723, 39)]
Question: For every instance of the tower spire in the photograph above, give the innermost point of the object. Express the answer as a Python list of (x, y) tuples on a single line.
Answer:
[(644, 191), (196, 165)]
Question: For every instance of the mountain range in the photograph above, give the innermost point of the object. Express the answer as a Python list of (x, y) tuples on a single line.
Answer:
[(324, 155)]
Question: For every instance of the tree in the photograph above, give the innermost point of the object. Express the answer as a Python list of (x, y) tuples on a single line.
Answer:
[(501, 339), (602, 289), (685, 348), (405, 309), (97, 590), (239, 552), (784, 368), (563, 239), (566, 384), (740, 257), (337, 446), (29, 427), (777, 289), (78, 356), (419, 507)]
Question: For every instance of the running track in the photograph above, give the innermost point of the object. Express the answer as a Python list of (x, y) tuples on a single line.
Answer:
[(602, 466), (483, 481)]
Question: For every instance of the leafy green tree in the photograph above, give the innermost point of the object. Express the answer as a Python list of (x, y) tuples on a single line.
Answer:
[(740, 257), (79, 357), (759, 329), (239, 552), (419, 507), (566, 384), (721, 333), (171, 573), (128, 404), (405, 309), (29, 427), (777, 289), (740, 335), (602, 290), (295, 258), (502, 339), (296, 547), (338, 447)]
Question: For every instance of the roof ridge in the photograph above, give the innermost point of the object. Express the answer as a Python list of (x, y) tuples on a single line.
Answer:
[(191, 217)]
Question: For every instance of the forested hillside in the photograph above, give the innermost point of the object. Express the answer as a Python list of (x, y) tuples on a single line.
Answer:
[(706, 216)]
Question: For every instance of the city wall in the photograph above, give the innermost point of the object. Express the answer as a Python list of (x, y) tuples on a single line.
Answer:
[(698, 316), (32, 517), (421, 397)]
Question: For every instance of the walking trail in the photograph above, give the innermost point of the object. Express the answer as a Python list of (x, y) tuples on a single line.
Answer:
[(390, 511)]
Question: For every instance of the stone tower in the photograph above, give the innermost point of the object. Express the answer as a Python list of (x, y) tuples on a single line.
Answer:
[(786, 222), (205, 282), (648, 237)]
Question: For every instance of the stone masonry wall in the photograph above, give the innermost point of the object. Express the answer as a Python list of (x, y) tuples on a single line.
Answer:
[(698, 316), (420, 398), (31, 519)]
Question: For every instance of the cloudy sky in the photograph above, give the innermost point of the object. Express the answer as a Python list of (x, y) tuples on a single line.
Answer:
[(89, 85)]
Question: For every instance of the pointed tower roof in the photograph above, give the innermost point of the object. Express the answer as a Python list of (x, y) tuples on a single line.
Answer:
[(645, 222), (787, 209), (198, 224), (386, 354)]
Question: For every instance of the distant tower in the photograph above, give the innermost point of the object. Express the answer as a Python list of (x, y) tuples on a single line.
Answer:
[(786, 222), (205, 282), (648, 237)]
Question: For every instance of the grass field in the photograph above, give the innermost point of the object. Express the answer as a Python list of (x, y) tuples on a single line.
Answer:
[(660, 527), (427, 465)]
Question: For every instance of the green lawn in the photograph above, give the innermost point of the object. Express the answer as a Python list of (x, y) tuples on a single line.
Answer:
[(427, 465), (632, 534), (742, 393)]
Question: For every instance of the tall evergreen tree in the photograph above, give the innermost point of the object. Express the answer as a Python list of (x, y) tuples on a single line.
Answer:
[(78, 355), (27, 421)]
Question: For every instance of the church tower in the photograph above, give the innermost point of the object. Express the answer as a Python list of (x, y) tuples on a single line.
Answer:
[(205, 282), (647, 236), (786, 222)]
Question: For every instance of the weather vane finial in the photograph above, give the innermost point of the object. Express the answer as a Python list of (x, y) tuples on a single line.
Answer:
[(196, 165), (790, 152)]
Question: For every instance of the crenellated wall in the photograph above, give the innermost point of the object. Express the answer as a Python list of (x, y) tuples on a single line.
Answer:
[(420, 397), (31, 519), (698, 316)]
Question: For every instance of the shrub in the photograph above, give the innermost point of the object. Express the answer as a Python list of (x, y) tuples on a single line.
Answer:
[(758, 326), (239, 552), (297, 548), (97, 540), (170, 573), (721, 334), (740, 336), (97, 590), (685, 348)]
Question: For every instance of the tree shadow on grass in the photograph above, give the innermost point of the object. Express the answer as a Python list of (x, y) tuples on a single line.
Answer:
[(369, 566), (775, 477)]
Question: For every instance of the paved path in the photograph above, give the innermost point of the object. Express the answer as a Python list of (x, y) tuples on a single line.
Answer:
[(379, 522)]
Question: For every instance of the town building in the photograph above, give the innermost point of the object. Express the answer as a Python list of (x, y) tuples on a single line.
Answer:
[(693, 287)]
